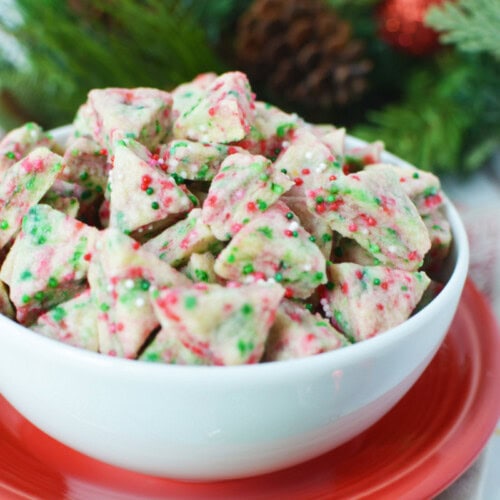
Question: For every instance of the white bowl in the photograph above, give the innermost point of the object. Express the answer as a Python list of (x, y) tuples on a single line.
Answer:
[(208, 423)]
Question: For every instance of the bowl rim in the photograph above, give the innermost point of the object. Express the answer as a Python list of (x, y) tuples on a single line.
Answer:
[(280, 369)]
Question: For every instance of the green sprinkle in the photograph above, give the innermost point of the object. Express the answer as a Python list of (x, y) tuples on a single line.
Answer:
[(25, 299), (264, 177), (246, 220), (247, 309), (177, 178), (39, 295), (104, 307), (276, 188), (309, 307), (231, 258), (278, 277), (330, 285), (180, 144), (326, 237), (282, 129), (26, 275), (245, 347), (266, 231), (190, 302), (86, 194), (155, 205), (312, 238), (318, 276), (4, 224), (374, 248), (284, 171), (10, 155), (319, 199), (262, 205), (376, 282), (193, 199), (331, 198), (247, 269), (295, 234), (84, 176), (416, 175), (53, 282), (201, 275), (58, 313), (145, 284), (289, 215), (150, 190), (404, 288)]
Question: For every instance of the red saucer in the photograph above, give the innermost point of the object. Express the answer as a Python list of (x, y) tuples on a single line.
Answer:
[(415, 451)]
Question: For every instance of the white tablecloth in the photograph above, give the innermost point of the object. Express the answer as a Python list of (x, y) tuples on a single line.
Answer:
[(478, 200)]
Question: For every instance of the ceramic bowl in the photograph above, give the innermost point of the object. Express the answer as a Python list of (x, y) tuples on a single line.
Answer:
[(210, 423)]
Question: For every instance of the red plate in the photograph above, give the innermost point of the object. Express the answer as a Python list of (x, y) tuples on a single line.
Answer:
[(421, 446)]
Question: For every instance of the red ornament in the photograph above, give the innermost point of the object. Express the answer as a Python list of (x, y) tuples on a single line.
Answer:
[(401, 24)]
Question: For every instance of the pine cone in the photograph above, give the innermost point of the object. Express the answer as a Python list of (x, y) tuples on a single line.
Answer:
[(301, 50)]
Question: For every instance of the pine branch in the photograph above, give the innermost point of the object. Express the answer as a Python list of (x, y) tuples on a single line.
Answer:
[(473, 25), (73, 46), (428, 128)]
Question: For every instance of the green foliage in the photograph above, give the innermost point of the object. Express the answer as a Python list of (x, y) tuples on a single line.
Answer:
[(95, 44), (428, 127), (473, 25)]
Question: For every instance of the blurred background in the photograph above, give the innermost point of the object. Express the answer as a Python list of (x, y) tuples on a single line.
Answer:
[(422, 75)]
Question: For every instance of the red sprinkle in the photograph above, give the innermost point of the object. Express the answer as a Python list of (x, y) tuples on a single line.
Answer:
[(136, 245), (413, 255), (251, 206), (380, 307), (299, 181), (145, 182), (211, 111), (305, 171), (332, 178), (359, 274), (433, 200), (368, 220), (384, 285), (320, 208), (336, 205), (87, 257), (353, 227), (231, 150), (345, 288), (103, 152), (288, 293), (288, 233), (259, 275), (211, 200)]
